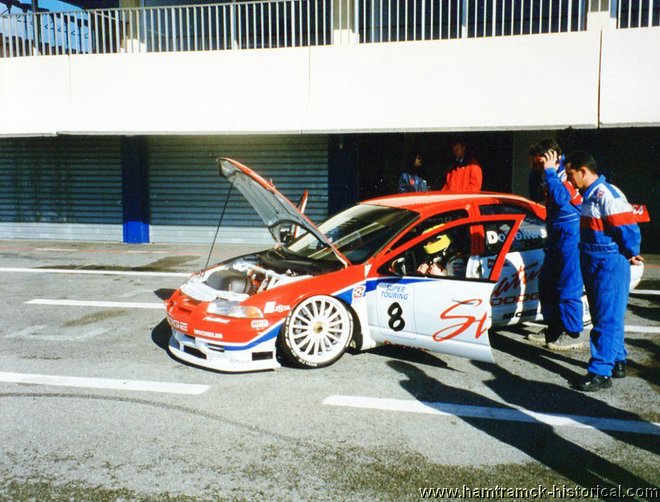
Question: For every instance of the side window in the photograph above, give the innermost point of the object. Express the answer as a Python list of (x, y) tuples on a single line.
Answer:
[(468, 251), (532, 232), (430, 223), (445, 254), (495, 234), (487, 242)]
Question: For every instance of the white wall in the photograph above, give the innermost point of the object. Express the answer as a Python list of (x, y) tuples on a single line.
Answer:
[(201, 92), (35, 93), (524, 82), (630, 78), (495, 83)]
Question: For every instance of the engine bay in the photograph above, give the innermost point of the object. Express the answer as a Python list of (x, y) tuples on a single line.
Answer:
[(238, 279), (244, 277)]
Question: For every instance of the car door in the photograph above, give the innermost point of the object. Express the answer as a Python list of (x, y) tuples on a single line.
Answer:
[(516, 295), (450, 313)]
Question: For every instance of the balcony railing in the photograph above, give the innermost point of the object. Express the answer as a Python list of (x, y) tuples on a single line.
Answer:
[(260, 24), (637, 13)]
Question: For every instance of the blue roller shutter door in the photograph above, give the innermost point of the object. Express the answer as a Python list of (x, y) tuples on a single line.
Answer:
[(187, 194)]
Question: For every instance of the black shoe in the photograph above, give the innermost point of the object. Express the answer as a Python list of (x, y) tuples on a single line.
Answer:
[(619, 370), (592, 382)]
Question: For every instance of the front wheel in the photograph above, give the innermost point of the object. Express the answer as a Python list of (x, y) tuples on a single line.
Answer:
[(317, 332)]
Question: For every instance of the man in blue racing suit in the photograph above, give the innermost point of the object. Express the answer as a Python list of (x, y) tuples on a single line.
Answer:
[(610, 242), (560, 283)]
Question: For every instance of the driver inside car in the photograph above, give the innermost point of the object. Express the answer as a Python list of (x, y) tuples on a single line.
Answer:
[(442, 258)]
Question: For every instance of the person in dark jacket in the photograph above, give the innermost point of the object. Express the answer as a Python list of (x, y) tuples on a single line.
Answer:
[(413, 179), (560, 283)]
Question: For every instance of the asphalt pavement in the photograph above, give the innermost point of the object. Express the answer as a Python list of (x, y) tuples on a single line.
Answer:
[(92, 407)]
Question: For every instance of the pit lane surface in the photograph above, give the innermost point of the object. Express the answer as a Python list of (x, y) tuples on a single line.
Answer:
[(78, 420)]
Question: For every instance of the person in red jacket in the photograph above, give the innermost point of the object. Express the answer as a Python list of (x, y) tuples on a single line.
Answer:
[(464, 174)]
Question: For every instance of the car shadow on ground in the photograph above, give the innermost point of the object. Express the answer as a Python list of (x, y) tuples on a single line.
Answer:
[(544, 358), (410, 354), (160, 335), (164, 293), (537, 440), (540, 356), (546, 397)]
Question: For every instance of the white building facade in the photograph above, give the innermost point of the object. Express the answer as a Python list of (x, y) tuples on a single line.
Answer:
[(112, 117)]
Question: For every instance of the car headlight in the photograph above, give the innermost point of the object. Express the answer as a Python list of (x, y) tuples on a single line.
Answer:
[(231, 309)]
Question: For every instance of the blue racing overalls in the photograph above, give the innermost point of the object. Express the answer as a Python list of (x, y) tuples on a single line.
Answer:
[(560, 282), (609, 238)]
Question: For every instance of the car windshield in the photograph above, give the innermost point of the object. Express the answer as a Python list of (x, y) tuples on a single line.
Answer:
[(359, 233)]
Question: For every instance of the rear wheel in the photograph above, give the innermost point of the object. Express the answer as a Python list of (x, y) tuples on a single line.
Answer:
[(317, 332)]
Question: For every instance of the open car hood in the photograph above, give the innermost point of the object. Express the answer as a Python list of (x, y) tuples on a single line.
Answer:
[(273, 207)]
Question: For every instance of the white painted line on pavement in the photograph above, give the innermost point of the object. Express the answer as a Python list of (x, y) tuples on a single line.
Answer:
[(84, 303), (504, 414), (54, 249), (650, 292), (104, 383), (642, 329), (91, 272)]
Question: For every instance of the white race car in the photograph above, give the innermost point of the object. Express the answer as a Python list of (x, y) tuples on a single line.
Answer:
[(429, 270)]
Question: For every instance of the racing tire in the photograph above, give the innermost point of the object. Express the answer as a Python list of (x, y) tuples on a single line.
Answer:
[(317, 332)]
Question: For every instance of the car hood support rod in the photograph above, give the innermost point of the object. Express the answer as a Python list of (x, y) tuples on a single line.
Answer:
[(222, 216)]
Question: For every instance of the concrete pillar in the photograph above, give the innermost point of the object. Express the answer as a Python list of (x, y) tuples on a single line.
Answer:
[(344, 16), (135, 189)]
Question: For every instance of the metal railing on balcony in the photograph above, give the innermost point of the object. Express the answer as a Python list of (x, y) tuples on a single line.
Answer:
[(259, 24), (390, 21), (245, 25), (637, 13)]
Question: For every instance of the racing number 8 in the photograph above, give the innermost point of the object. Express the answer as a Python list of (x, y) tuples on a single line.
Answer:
[(396, 322)]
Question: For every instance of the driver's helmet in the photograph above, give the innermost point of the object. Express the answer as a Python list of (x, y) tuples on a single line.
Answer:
[(437, 245)]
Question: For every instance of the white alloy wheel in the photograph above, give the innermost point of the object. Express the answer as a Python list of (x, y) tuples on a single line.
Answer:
[(317, 332)]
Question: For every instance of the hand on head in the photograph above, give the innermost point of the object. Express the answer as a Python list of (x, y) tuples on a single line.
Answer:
[(550, 159)]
